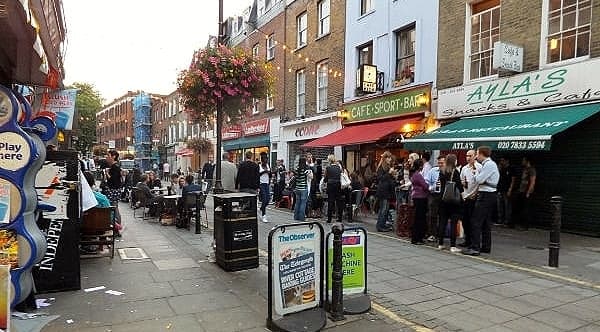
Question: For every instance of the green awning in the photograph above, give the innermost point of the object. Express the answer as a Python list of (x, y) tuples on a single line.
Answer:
[(523, 130), (247, 142)]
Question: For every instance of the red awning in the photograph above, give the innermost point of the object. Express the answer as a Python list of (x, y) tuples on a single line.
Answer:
[(361, 133), (185, 152)]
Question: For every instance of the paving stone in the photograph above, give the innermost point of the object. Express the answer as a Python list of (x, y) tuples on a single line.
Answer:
[(465, 321), (401, 283), (559, 320), (196, 303), (197, 286), (132, 311), (496, 328), (525, 324), (493, 314), (438, 303), (518, 306), (231, 320), (176, 263), (176, 323), (567, 293), (146, 291), (542, 282), (588, 328), (417, 295), (483, 295), (182, 274), (505, 290)]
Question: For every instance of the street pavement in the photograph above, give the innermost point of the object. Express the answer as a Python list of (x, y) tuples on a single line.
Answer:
[(413, 288)]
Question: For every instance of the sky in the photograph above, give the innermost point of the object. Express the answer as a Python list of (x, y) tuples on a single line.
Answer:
[(130, 45)]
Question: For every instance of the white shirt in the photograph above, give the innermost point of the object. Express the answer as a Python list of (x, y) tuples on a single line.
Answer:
[(488, 176), (264, 177), (467, 174), (166, 168), (91, 165)]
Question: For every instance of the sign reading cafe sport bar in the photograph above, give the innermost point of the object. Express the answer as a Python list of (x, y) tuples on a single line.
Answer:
[(388, 105), (567, 84)]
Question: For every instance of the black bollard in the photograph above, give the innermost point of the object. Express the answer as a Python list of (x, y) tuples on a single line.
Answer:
[(337, 277), (198, 225), (554, 245)]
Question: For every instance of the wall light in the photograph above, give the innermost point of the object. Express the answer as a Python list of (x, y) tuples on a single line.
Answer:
[(423, 99), (342, 114)]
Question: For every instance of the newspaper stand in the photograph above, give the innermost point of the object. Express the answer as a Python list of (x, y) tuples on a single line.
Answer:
[(236, 231), (295, 278)]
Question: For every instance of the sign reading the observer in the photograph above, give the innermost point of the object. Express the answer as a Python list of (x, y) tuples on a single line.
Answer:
[(353, 261), (568, 84), (62, 103), (296, 268)]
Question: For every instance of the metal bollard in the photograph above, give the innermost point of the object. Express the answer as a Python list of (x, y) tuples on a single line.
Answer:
[(337, 277), (554, 245)]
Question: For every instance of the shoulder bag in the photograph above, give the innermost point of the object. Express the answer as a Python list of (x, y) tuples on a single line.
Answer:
[(451, 193), (345, 180)]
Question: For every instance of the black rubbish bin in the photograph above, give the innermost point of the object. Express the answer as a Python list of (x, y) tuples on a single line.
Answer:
[(236, 231)]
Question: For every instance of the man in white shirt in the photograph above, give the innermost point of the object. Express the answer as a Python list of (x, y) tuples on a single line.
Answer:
[(426, 165), (166, 171), (481, 223), (467, 177)]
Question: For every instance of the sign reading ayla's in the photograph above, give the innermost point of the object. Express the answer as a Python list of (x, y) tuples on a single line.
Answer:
[(296, 271), (569, 84), (389, 105)]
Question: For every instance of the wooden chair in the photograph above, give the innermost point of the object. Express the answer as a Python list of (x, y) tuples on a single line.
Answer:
[(98, 228), (142, 202)]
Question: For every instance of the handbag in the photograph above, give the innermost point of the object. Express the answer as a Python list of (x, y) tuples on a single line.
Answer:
[(451, 193), (345, 180)]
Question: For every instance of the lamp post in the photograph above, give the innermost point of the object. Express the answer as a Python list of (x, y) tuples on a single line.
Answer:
[(218, 189)]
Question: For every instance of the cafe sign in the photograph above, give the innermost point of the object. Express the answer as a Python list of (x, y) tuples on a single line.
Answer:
[(397, 103), (568, 84), (257, 127)]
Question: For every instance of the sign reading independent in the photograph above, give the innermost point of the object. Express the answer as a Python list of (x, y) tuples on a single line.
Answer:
[(568, 84), (388, 105), (296, 268)]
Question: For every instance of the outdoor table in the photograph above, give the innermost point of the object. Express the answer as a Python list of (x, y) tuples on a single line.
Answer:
[(159, 190)]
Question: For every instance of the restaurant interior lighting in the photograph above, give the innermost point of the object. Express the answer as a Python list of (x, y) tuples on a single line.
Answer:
[(422, 99)]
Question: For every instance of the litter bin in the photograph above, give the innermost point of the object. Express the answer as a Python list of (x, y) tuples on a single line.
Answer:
[(236, 231)]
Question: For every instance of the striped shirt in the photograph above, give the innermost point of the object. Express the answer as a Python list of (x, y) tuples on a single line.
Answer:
[(301, 179)]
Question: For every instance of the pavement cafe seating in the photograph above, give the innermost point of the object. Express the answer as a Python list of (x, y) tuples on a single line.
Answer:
[(98, 229)]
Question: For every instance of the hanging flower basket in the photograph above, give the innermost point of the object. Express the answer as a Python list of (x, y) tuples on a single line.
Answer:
[(199, 144), (222, 74)]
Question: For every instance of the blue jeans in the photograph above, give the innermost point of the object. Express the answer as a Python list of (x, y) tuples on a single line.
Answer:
[(264, 196), (300, 205), (383, 213)]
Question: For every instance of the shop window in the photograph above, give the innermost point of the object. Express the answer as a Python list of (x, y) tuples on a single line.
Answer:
[(300, 93), (366, 6), (322, 84), (484, 31), (323, 17), (270, 47), (567, 26), (405, 55), (302, 34), (255, 50)]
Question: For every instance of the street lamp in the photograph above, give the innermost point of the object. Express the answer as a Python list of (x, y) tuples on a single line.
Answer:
[(218, 189)]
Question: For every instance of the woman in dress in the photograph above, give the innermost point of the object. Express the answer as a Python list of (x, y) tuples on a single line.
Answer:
[(449, 210), (385, 190)]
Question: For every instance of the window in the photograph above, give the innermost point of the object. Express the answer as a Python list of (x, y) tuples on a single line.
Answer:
[(365, 55), (322, 83), (485, 31), (255, 50), (270, 47), (300, 93), (405, 56), (269, 102), (302, 22), (323, 17), (568, 34), (254, 106), (366, 6)]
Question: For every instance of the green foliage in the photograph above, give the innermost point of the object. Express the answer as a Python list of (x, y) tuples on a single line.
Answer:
[(87, 104)]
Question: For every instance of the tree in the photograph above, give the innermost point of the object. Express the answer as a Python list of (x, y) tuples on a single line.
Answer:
[(87, 104)]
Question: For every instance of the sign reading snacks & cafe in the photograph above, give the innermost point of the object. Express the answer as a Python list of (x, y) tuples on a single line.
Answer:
[(558, 85)]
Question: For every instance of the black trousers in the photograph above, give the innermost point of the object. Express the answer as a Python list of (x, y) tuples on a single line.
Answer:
[(481, 223), (335, 199), (469, 207), (420, 223)]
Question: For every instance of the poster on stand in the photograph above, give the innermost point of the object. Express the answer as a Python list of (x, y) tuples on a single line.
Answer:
[(353, 261), (4, 203), (9, 248), (296, 268), (62, 103), (5, 298)]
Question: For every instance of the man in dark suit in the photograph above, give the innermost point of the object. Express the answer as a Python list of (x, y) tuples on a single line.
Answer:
[(247, 179)]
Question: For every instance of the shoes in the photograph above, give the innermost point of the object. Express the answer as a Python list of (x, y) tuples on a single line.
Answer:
[(470, 252), (431, 238), (418, 243), (486, 251), (455, 250), (463, 245), (264, 219), (440, 247), (389, 229)]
